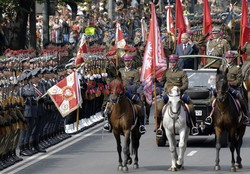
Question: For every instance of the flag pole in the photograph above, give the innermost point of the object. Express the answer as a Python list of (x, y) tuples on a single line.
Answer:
[(175, 38), (238, 58), (77, 118)]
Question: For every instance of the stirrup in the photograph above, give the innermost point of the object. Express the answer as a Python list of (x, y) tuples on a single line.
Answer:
[(142, 129), (246, 120), (194, 131), (209, 120), (159, 133), (107, 127)]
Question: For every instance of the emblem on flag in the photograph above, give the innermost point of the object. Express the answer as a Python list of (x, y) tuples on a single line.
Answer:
[(66, 94)]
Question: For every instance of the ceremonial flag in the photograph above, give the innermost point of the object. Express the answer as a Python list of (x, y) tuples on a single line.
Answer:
[(119, 38), (244, 26), (66, 94), (207, 20), (170, 25), (154, 58), (81, 50), (179, 20)]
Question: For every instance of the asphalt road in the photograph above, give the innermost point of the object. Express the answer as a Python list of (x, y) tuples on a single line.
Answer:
[(94, 152)]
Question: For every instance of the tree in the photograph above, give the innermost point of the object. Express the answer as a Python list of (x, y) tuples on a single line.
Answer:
[(17, 12)]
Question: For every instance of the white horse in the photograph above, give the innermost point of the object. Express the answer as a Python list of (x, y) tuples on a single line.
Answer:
[(174, 121)]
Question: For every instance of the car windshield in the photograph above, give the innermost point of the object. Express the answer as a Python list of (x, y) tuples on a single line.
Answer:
[(201, 78)]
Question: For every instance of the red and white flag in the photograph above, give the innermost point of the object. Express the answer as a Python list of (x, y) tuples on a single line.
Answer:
[(154, 57), (66, 94), (119, 37), (81, 50), (170, 24)]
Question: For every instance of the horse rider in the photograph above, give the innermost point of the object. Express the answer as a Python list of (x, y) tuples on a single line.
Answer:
[(175, 76), (234, 77), (130, 77)]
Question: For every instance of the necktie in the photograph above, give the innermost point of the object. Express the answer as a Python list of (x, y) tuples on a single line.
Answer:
[(184, 48)]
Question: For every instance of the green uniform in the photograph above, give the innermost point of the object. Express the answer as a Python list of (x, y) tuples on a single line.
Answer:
[(234, 76), (129, 75), (175, 77), (217, 47)]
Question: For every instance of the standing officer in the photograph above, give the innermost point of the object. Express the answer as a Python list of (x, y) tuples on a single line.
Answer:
[(175, 76), (217, 46), (234, 77)]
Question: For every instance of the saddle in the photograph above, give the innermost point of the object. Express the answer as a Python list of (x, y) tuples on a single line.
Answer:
[(236, 102)]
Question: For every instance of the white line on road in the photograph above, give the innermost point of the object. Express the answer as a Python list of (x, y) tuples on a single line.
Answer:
[(191, 153), (50, 151)]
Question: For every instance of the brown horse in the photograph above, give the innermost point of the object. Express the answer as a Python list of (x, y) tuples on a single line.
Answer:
[(226, 118), (124, 123), (246, 81)]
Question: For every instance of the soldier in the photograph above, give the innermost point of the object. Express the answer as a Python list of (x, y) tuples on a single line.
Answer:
[(37, 124), (28, 93), (234, 77), (216, 46), (175, 76), (131, 79), (246, 50)]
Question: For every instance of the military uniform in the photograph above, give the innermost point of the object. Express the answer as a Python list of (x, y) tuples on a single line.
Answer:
[(175, 76), (130, 77), (217, 47)]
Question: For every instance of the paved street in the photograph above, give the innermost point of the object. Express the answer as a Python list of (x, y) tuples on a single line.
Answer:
[(94, 152)]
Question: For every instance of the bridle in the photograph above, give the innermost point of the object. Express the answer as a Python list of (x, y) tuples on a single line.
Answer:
[(117, 99), (172, 114)]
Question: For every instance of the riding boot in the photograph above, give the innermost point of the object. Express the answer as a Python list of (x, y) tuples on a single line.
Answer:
[(107, 112), (244, 108), (147, 106), (186, 99), (142, 128)]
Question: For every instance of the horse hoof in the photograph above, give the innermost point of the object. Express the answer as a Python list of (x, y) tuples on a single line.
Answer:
[(233, 169), (119, 168), (238, 166), (136, 166), (217, 168), (129, 161), (173, 169), (179, 166), (125, 169)]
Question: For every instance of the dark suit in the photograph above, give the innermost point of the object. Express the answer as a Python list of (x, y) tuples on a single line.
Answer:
[(186, 63)]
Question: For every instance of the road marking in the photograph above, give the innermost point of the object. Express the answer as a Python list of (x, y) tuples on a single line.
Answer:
[(191, 153), (51, 150)]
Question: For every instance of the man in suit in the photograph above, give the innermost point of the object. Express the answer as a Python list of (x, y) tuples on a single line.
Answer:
[(187, 47)]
